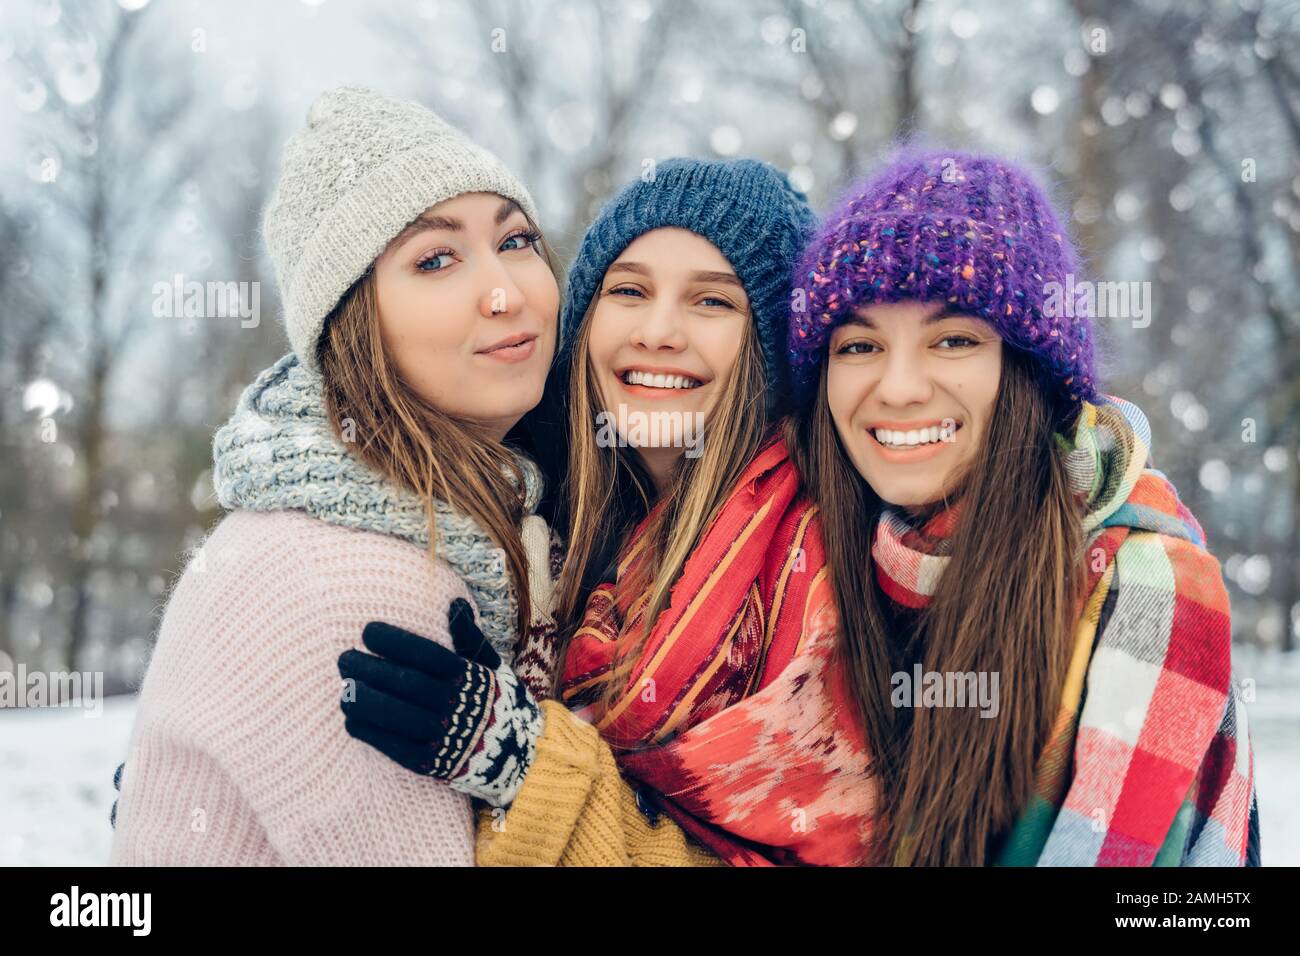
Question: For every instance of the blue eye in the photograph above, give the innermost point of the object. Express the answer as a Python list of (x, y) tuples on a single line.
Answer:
[(626, 290), (721, 302), (437, 257), (521, 240)]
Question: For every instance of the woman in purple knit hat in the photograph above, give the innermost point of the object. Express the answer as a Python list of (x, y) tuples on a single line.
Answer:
[(1037, 640)]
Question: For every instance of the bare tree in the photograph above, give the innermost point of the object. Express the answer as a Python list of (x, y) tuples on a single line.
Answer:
[(543, 56), (1228, 117), (26, 325), (111, 222)]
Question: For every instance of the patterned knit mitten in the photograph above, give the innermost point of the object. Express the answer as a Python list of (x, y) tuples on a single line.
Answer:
[(535, 658), (538, 647), (461, 716)]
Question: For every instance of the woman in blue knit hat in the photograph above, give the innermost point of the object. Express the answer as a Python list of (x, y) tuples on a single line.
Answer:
[(990, 516), (698, 718)]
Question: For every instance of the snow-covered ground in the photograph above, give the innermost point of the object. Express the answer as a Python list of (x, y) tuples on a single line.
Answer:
[(56, 782), (56, 771), (1274, 718)]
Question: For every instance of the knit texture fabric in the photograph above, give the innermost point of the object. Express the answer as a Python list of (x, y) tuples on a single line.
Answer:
[(745, 207), (574, 809), (364, 167), (976, 232), (1150, 760), (279, 452), (238, 755), (508, 723)]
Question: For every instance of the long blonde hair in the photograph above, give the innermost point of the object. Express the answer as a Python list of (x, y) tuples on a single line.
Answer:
[(411, 442), (610, 490)]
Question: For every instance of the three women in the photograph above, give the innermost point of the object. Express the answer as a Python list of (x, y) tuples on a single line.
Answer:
[(944, 487)]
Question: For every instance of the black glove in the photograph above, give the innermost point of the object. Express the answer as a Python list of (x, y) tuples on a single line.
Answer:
[(462, 717)]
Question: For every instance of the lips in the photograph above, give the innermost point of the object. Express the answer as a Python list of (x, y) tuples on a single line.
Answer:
[(910, 454), (510, 342)]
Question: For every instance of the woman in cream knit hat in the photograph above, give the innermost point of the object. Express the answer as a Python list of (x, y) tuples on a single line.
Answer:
[(420, 302)]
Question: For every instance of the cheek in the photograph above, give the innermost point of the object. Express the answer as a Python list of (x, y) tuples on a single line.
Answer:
[(538, 285), (981, 387), (607, 334), (977, 390), (406, 309), (718, 342), (845, 388)]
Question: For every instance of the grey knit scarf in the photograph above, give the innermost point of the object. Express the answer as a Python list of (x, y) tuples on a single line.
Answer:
[(278, 452)]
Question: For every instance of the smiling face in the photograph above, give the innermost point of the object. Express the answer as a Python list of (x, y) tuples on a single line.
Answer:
[(911, 389), (666, 328), (467, 309)]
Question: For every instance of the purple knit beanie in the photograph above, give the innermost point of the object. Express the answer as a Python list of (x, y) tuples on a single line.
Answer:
[(975, 231)]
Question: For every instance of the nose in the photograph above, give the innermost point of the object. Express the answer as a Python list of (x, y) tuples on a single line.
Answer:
[(501, 296), (903, 381), (659, 327)]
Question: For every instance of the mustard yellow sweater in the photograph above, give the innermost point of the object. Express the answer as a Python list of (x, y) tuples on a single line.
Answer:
[(575, 809)]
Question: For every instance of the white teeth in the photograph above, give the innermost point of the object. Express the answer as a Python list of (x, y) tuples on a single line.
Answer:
[(635, 377), (913, 437)]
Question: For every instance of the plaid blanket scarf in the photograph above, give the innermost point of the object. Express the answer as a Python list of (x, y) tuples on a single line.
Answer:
[(1149, 762)]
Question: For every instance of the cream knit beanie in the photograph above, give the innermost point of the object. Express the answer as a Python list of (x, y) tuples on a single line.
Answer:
[(364, 167)]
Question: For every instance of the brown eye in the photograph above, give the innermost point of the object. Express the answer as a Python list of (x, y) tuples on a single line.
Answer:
[(964, 341), (852, 348)]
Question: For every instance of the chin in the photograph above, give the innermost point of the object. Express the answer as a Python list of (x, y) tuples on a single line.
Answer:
[(516, 410), (908, 501), (905, 494), (506, 407)]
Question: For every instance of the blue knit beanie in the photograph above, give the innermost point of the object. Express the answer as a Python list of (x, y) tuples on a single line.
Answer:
[(745, 207)]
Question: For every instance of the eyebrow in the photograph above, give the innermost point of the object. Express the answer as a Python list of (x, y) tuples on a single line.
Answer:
[(728, 278), (426, 221)]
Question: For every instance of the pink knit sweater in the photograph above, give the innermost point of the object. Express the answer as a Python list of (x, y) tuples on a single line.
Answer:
[(238, 755)]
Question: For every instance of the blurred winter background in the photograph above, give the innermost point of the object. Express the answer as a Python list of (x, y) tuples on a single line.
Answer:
[(140, 141)]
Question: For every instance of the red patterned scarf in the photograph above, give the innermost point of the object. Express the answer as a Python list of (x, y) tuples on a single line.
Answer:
[(732, 714)]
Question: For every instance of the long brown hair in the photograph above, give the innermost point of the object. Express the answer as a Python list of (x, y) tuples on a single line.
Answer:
[(610, 490), (410, 442), (1005, 604)]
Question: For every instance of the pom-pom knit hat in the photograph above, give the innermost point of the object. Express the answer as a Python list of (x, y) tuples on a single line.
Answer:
[(747, 208), (975, 231), (364, 167)]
